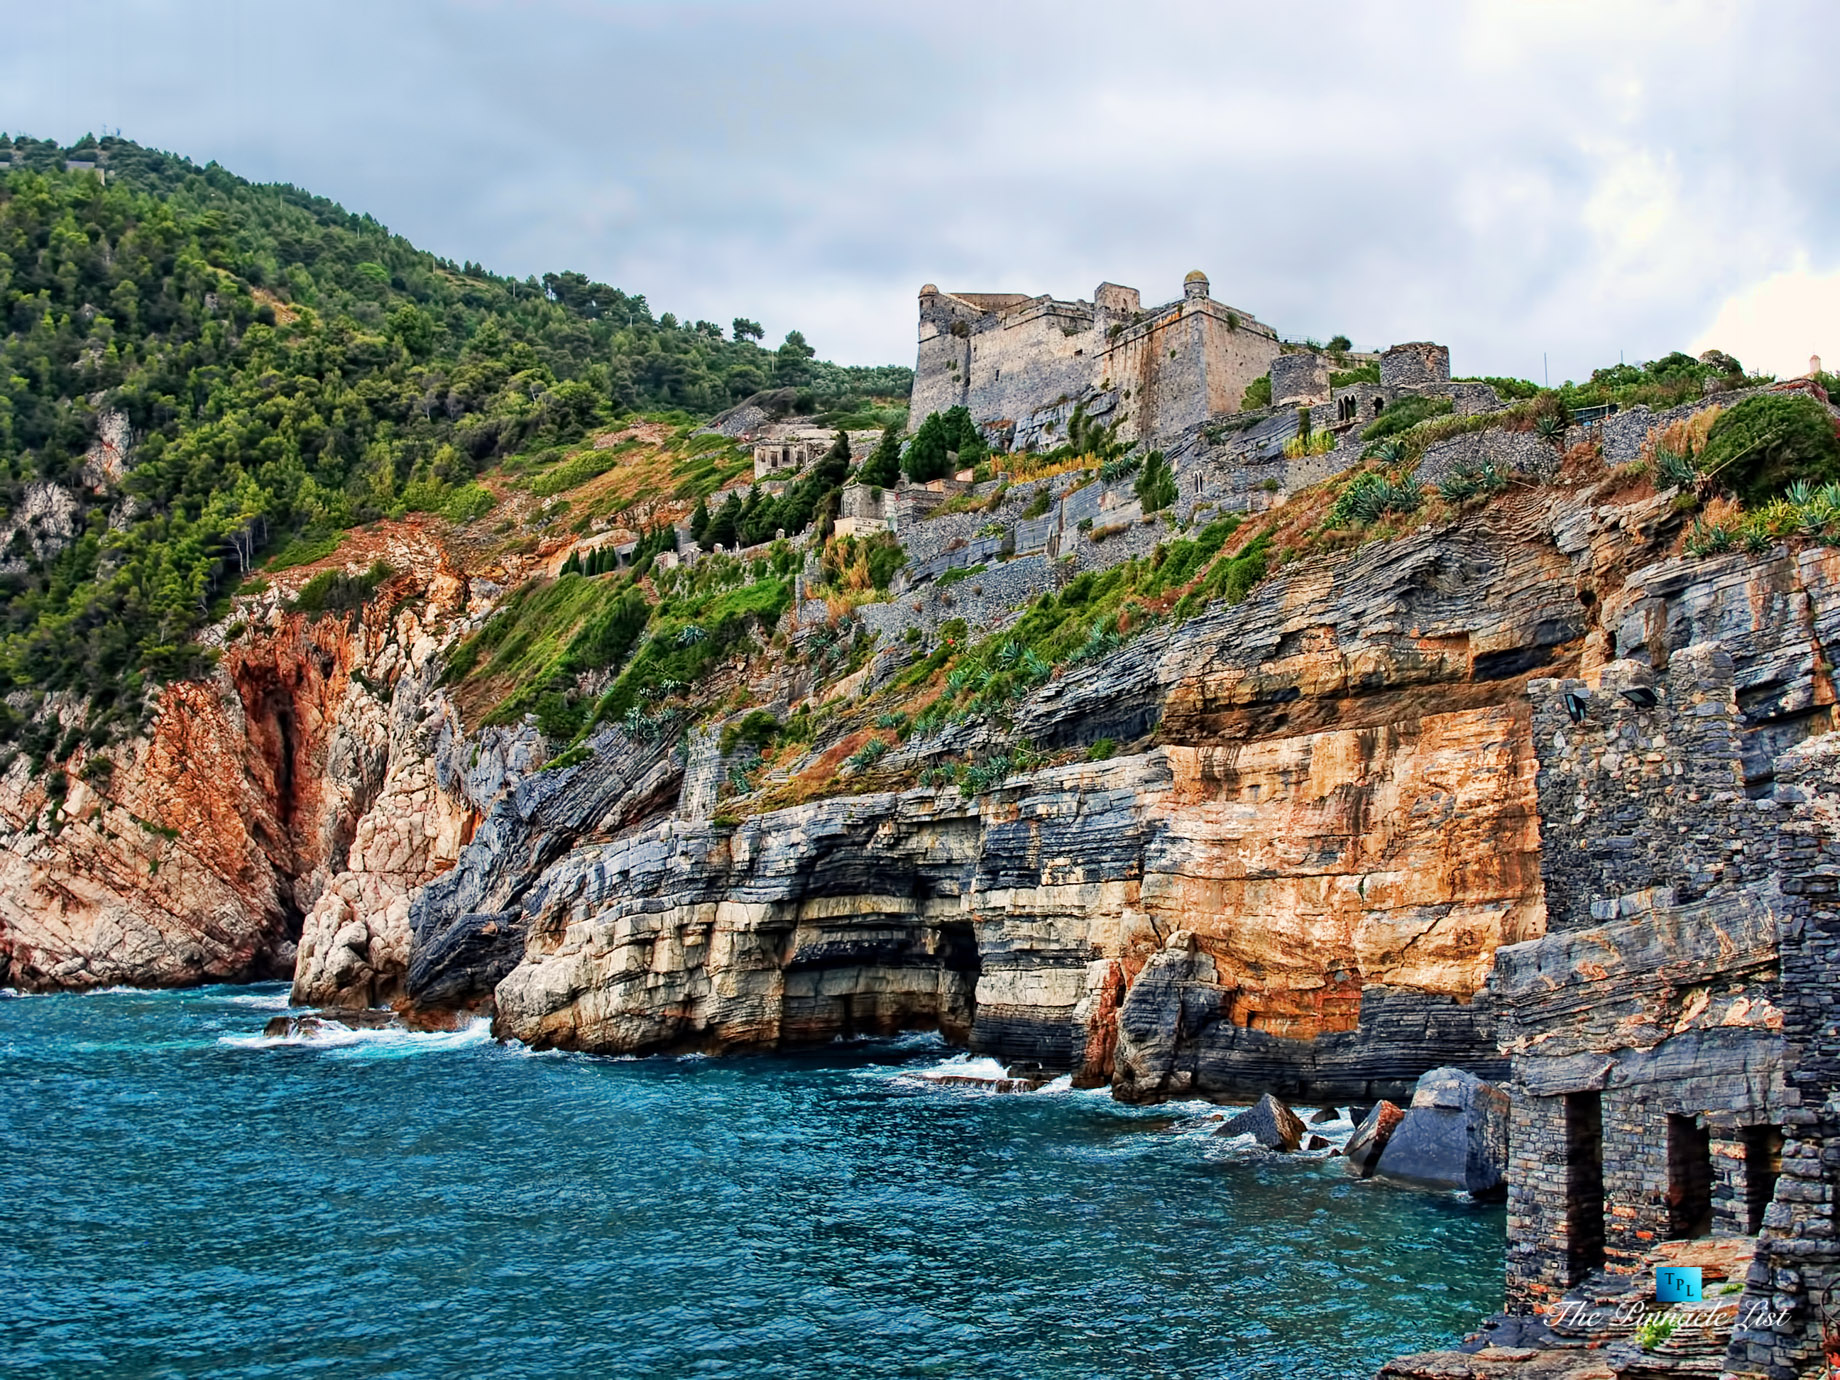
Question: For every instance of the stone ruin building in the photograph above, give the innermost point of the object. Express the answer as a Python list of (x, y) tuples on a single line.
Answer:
[(1673, 1036)]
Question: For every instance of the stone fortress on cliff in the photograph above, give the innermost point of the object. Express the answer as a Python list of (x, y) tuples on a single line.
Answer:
[(1021, 364)]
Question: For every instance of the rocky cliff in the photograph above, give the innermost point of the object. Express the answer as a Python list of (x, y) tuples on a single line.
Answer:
[(1298, 882), (1295, 877), (286, 785)]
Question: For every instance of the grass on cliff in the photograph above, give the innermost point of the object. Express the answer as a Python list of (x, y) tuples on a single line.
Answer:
[(1091, 617), (647, 637)]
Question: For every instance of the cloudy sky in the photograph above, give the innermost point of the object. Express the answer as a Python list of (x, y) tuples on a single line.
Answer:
[(1525, 182)]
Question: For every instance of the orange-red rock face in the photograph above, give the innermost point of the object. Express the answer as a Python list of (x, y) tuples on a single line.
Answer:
[(1310, 867), (198, 856), (190, 862)]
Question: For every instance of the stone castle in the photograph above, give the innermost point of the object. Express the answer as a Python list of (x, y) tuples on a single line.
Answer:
[(1021, 364), (1008, 357)]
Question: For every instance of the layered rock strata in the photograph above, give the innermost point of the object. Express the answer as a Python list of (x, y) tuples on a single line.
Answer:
[(1338, 818)]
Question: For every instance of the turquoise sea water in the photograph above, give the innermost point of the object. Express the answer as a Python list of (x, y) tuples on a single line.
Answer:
[(180, 1197)]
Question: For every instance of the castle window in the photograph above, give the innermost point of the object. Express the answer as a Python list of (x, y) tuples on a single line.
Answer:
[(1584, 1184), (1689, 1193), (1762, 1167)]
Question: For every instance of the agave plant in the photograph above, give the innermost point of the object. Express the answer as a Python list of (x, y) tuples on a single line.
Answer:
[(1550, 426), (1458, 487)]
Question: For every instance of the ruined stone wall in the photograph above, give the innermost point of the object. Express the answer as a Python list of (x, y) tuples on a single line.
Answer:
[(1300, 377), (1795, 1273), (1417, 364), (1654, 991)]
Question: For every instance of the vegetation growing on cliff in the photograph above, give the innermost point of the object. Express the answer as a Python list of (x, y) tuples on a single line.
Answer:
[(279, 367)]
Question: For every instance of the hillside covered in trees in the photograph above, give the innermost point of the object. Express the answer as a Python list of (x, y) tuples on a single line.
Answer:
[(270, 365)]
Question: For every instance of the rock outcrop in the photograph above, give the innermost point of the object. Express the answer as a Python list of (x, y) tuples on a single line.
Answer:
[(1269, 1122), (1453, 1136), (1371, 1135), (1299, 889)]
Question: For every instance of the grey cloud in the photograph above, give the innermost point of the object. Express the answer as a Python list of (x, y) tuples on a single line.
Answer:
[(1509, 179)]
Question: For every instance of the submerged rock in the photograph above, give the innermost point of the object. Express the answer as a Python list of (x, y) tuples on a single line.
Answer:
[(1269, 1122), (1454, 1135), (1371, 1135), (311, 1023)]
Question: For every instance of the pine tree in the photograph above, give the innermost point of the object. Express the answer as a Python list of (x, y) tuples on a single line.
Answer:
[(926, 454), (722, 527), (883, 467)]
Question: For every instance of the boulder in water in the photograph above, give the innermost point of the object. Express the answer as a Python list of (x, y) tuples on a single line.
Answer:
[(1371, 1135), (1318, 1143), (1269, 1122), (1325, 1116), (1453, 1136)]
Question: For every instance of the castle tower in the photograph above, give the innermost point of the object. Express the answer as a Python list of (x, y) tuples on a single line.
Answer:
[(1195, 286)]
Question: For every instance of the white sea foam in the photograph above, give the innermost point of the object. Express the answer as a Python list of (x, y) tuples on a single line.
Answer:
[(393, 1043), (963, 1066), (262, 1001)]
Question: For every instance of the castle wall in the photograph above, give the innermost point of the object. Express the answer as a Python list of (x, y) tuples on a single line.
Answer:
[(1007, 357), (942, 368), (1300, 377), (1417, 364), (1031, 357)]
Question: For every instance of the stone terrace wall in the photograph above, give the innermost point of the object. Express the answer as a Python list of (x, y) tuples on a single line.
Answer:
[(1796, 1270), (1653, 991)]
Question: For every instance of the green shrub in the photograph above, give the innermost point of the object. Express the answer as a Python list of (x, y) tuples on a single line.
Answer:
[(1156, 486), (1040, 503), (333, 591), (1467, 480), (1404, 413), (757, 729), (468, 503), (1762, 445), (1257, 394), (1102, 750), (868, 754), (304, 548), (1370, 496), (1121, 468)]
